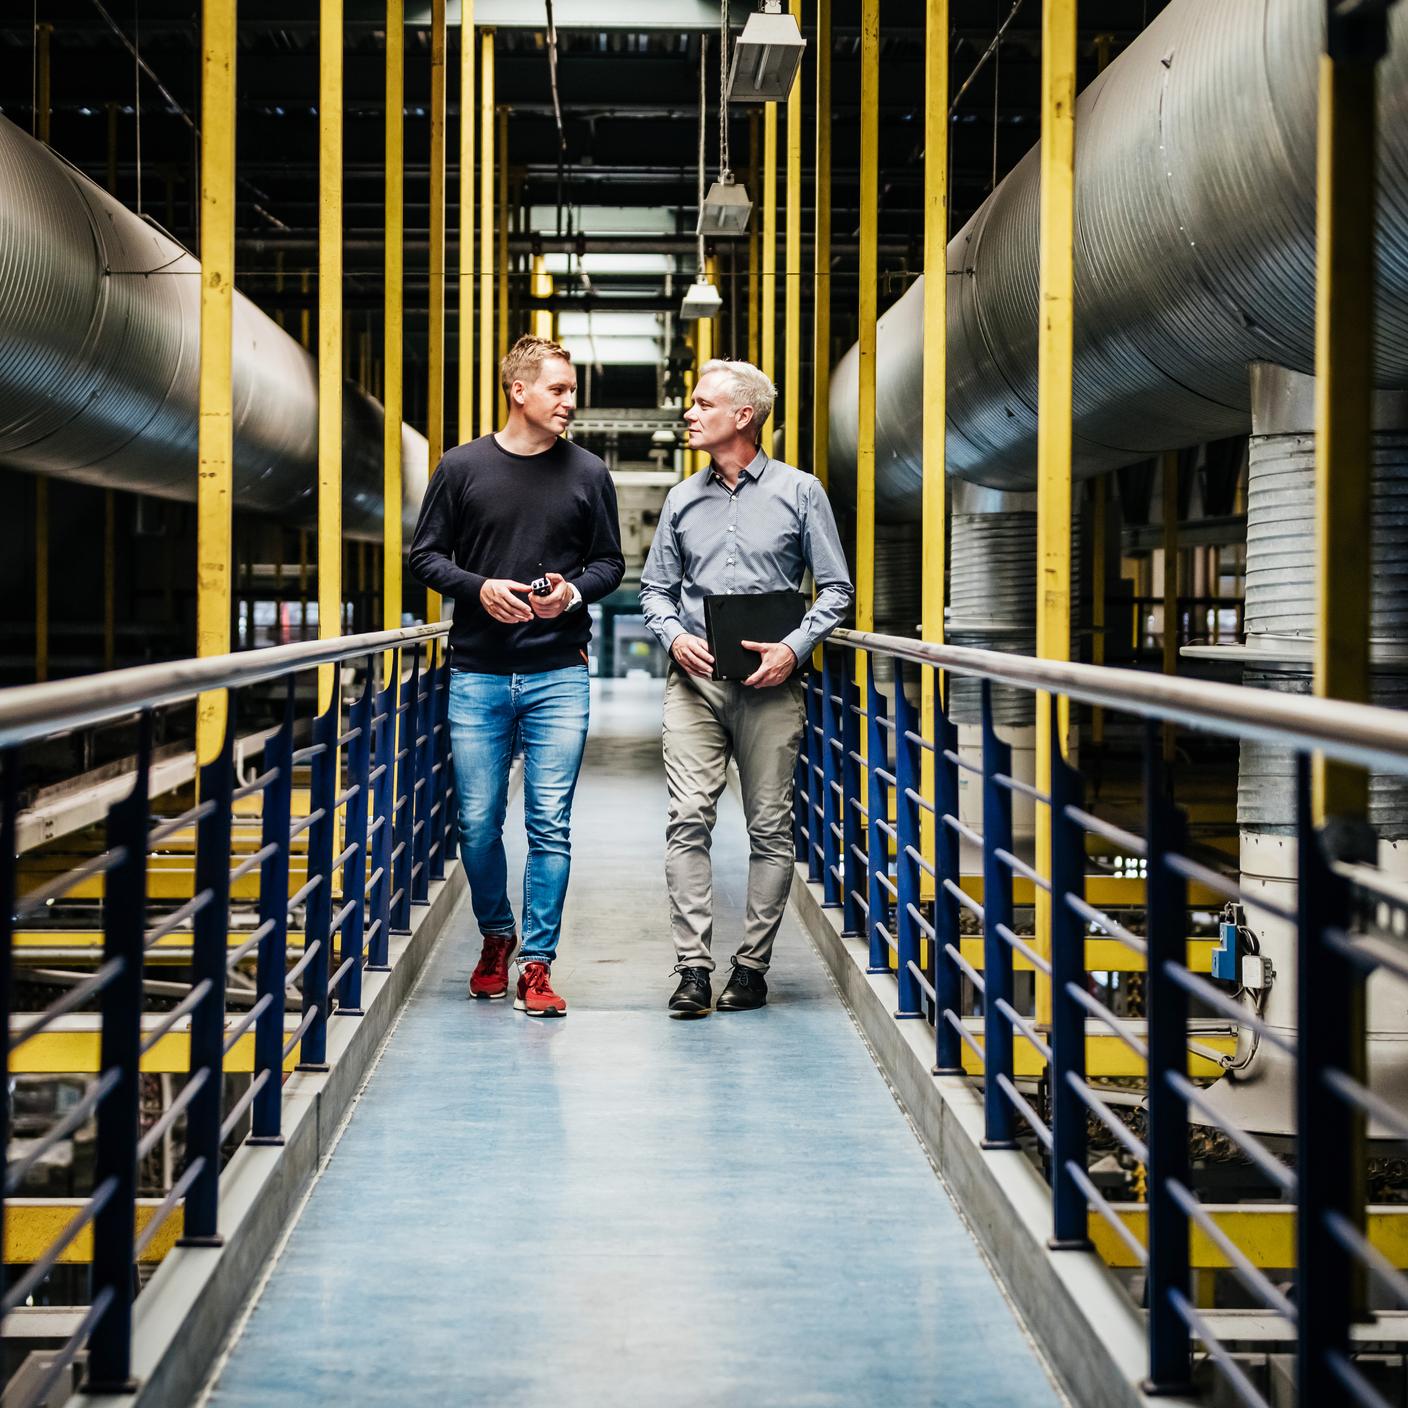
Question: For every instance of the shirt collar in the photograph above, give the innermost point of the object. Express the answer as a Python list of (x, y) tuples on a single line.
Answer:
[(752, 470)]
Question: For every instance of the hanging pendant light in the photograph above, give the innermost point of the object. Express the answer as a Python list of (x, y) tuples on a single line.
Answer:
[(726, 208), (766, 57), (703, 299)]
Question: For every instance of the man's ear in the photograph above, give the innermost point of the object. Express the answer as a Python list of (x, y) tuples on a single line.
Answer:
[(747, 418)]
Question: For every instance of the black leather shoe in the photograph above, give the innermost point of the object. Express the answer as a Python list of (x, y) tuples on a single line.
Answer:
[(747, 990), (693, 996)]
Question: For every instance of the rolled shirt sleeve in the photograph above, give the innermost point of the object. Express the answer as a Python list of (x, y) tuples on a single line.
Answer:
[(821, 547)]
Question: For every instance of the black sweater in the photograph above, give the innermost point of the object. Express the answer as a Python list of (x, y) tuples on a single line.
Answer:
[(490, 513)]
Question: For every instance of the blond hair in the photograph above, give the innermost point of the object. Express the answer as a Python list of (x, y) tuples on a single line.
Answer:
[(524, 360)]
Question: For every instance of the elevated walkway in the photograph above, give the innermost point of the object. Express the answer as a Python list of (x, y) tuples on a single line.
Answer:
[(621, 1209)]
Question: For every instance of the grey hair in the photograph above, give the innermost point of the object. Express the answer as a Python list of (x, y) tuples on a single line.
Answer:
[(747, 386)]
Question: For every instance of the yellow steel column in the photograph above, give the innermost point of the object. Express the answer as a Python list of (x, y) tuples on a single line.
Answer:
[(435, 352), (1344, 379), (329, 335), (768, 320), (933, 514), (792, 274), (214, 417), (488, 368), (1055, 357), (395, 305), (542, 288), (501, 143), (821, 258), (755, 247), (466, 310), (869, 289)]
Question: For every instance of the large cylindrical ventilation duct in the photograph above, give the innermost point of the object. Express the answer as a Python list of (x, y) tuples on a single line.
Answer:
[(100, 361), (1195, 256)]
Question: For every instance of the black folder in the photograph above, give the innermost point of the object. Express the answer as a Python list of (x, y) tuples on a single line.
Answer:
[(762, 616)]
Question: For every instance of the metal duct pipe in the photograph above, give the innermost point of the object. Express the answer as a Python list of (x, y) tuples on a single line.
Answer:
[(1195, 256), (100, 361)]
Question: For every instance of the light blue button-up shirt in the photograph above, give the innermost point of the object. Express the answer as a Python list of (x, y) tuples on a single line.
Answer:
[(761, 536)]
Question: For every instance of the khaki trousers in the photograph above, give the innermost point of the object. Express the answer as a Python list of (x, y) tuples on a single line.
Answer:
[(706, 723)]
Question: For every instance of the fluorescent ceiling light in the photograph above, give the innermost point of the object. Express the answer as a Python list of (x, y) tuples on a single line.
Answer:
[(725, 210), (766, 57), (702, 301)]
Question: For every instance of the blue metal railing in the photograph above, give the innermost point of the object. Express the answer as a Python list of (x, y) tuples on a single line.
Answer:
[(382, 787), (1351, 921)]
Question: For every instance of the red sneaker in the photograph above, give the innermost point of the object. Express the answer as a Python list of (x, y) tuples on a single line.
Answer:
[(535, 995), (490, 976)]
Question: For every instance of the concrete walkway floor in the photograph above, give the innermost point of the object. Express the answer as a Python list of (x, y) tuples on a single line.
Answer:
[(620, 1209)]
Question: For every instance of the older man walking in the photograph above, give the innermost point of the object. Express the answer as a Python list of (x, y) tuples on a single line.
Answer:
[(748, 524)]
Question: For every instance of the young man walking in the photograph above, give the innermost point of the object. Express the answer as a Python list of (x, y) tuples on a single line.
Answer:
[(747, 524), (502, 512)]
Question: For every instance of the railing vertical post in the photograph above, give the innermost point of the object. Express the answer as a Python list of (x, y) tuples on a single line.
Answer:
[(948, 981), (449, 798), (115, 1164), (421, 735), (312, 1055), (877, 848), (1068, 1114), (1166, 898), (816, 788), (383, 819), (273, 919), (831, 807), (852, 856), (354, 868), (439, 763), (210, 964), (1331, 1162), (9, 855), (906, 849), (405, 796), (999, 1117)]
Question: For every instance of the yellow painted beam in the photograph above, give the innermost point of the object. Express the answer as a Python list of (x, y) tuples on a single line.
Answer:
[(934, 492), (468, 56), (90, 942), (542, 288), (1055, 376), (435, 350), (76, 1050), (215, 445), (1105, 1055), (869, 306), (501, 143), (767, 346), (168, 878), (1264, 1232), (1344, 382), (1101, 956), (792, 274), (488, 362), (755, 245), (33, 1225), (330, 371), (821, 254), (394, 308)]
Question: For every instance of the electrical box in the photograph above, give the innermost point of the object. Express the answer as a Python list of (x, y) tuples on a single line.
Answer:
[(1256, 972), (1224, 956)]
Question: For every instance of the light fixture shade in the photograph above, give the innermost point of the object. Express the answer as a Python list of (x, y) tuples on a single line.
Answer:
[(702, 301), (725, 210), (766, 57)]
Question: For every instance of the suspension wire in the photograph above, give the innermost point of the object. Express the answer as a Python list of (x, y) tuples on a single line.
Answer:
[(34, 72), (136, 47), (725, 174), (996, 90), (703, 114), (987, 54)]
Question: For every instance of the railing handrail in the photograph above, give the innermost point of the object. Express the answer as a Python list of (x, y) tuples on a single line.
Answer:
[(32, 711), (1357, 733)]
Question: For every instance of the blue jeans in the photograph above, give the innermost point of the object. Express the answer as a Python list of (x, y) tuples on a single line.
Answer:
[(548, 714)]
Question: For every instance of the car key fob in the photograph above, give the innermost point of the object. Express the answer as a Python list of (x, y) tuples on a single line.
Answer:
[(541, 586)]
